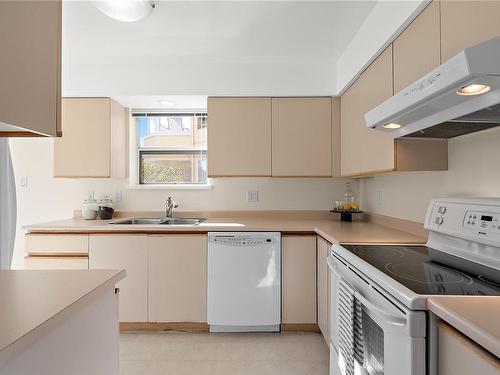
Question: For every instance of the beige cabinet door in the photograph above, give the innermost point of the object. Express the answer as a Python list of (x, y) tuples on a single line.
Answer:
[(127, 252), (458, 355), (301, 137), (177, 278), (30, 66), (465, 23), (417, 50), (239, 137), (94, 139), (366, 150), (57, 244), (299, 279), (56, 263), (323, 247)]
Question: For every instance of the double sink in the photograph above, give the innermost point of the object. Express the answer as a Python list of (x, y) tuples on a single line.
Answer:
[(169, 221)]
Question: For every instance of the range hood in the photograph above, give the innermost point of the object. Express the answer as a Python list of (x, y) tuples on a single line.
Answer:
[(459, 97)]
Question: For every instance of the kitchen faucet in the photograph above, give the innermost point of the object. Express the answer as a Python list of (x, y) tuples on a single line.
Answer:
[(170, 207)]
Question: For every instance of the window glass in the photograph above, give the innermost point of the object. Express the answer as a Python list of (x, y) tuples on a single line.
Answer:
[(172, 148)]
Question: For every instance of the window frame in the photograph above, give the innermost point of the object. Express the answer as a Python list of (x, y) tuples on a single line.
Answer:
[(136, 151)]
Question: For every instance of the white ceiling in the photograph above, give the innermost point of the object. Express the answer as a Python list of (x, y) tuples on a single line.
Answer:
[(208, 48)]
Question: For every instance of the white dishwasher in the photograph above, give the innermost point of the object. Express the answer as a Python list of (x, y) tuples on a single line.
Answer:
[(244, 281)]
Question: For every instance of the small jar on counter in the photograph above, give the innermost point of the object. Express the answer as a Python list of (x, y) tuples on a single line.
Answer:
[(106, 209), (90, 208)]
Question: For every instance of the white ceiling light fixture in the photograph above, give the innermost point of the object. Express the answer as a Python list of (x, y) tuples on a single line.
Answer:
[(125, 10), (167, 102)]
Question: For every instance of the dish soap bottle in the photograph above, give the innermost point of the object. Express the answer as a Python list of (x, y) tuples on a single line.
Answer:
[(349, 203)]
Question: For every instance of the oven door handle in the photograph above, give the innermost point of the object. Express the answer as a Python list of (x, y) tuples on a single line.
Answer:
[(388, 317)]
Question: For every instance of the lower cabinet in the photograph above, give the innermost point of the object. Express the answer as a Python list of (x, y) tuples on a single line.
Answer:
[(323, 287), (458, 355), (299, 279), (129, 252), (177, 278), (55, 263)]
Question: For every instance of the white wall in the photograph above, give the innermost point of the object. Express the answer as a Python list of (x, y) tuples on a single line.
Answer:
[(46, 198), (474, 170), (385, 22)]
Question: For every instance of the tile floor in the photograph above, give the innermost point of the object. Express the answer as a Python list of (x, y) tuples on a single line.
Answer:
[(223, 354)]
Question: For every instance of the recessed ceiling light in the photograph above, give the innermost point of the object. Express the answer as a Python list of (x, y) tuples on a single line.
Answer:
[(391, 126), (167, 102), (474, 89), (125, 10)]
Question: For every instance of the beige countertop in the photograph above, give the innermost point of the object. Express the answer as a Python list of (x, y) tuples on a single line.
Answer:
[(477, 317), (324, 224), (31, 298)]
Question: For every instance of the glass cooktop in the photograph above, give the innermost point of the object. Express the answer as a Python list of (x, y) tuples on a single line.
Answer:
[(428, 271)]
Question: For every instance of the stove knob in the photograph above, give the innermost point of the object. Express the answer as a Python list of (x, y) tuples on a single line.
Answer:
[(438, 220), (441, 209)]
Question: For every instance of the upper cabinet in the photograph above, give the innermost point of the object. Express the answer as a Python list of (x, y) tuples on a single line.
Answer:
[(465, 23), (95, 139), (364, 150), (302, 137), (417, 50), (239, 137), (272, 137), (30, 68), (412, 55)]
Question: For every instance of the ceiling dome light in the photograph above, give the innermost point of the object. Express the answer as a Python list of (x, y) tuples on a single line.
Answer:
[(391, 126), (474, 89), (167, 102), (125, 10)]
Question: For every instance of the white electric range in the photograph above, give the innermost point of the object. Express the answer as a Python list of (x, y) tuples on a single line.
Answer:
[(378, 292)]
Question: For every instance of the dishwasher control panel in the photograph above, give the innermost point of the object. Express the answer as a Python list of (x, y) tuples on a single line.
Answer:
[(244, 239)]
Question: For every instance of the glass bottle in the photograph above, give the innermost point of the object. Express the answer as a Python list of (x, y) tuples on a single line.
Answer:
[(349, 202)]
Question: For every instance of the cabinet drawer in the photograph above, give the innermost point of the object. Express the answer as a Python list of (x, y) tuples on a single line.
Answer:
[(56, 263), (57, 244)]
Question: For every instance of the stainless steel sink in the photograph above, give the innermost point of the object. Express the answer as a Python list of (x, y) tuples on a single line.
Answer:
[(165, 221), (181, 221)]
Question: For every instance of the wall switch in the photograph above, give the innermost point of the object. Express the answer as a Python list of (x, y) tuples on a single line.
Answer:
[(24, 182), (252, 196), (118, 196)]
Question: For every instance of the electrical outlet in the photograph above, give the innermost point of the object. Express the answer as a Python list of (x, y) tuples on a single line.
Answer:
[(24, 182), (380, 198), (252, 196)]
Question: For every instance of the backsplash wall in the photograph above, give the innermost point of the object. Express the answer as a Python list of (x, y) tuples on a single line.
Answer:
[(46, 198), (473, 170)]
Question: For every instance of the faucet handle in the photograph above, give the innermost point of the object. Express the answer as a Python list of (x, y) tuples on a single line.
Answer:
[(171, 203)]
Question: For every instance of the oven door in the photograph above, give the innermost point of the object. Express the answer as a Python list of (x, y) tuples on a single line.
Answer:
[(393, 340)]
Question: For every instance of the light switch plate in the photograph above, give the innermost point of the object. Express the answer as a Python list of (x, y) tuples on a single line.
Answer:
[(252, 196)]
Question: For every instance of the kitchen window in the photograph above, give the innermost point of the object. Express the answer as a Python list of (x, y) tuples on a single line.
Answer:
[(171, 148)]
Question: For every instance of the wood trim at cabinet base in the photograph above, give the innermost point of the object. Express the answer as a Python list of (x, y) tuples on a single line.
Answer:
[(300, 327), (239, 175), (368, 173), (57, 255), (155, 326), (22, 134)]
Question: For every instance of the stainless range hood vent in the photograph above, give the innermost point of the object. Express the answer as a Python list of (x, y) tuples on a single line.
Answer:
[(434, 107)]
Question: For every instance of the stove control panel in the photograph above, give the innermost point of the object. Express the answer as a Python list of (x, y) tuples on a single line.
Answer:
[(482, 221), (468, 218)]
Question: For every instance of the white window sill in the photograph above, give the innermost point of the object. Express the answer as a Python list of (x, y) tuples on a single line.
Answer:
[(171, 187)]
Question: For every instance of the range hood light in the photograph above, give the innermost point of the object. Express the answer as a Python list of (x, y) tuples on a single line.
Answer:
[(474, 89), (391, 126)]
